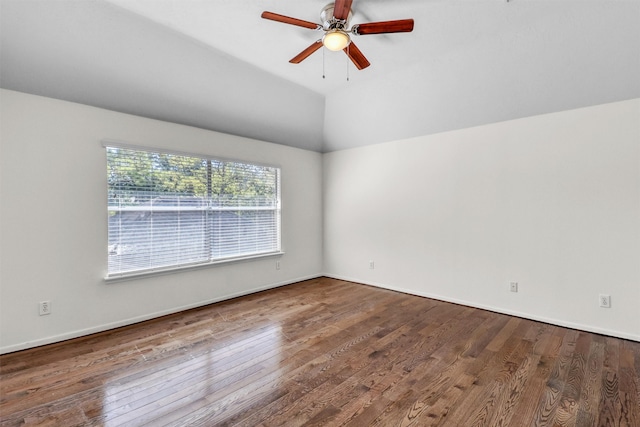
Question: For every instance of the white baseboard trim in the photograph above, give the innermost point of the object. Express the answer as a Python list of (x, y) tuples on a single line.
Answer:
[(552, 321), (126, 322)]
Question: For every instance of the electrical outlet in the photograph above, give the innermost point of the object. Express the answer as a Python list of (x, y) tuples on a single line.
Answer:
[(44, 307), (605, 301), (372, 265), (513, 286), (278, 265)]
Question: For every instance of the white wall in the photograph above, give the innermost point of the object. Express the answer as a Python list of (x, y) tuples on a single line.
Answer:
[(53, 221), (552, 202)]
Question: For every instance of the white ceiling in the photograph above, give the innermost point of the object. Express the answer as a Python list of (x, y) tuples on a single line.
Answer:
[(216, 64), (235, 27)]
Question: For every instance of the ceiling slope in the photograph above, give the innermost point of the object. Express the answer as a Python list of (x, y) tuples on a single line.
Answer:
[(217, 65), (524, 58), (94, 53)]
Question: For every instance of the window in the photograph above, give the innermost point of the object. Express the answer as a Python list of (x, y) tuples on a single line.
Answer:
[(173, 210)]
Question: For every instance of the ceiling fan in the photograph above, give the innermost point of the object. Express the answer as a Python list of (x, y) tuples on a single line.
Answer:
[(335, 24)]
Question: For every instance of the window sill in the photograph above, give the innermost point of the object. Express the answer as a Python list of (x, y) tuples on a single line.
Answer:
[(172, 270)]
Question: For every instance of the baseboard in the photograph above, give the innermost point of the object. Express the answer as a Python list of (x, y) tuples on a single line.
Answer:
[(530, 316), (108, 326), (105, 327)]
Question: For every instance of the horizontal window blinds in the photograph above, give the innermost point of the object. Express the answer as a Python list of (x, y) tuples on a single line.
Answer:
[(168, 210)]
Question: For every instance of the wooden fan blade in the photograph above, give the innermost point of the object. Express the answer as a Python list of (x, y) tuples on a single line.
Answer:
[(399, 26), (341, 9), (306, 53), (288, 20), (356, 56)]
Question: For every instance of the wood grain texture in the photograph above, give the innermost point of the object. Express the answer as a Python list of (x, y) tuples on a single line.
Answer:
[(356, 56), (398, 26), (327, 352), (306, 53), (289, 20), (342, 8)]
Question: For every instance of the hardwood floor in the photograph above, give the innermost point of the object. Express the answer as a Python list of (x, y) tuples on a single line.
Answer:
[(328, 353)]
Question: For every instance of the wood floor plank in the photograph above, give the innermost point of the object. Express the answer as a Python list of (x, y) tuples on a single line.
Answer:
[(332, 353), (350, 366), (567, 410), (547, 347), (489, 374), (610, 410), (551, 396)]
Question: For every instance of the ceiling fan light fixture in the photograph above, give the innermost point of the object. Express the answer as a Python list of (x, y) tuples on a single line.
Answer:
[(335, 18), (336, 40)]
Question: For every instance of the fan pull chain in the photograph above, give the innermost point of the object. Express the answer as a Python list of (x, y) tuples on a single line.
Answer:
[(322, 62), (348, 57)]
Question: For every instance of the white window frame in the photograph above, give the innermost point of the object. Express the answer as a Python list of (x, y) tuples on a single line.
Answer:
[(120, 275)]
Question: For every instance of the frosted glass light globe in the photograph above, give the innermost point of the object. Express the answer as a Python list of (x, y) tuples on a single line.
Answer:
[(336, 40)]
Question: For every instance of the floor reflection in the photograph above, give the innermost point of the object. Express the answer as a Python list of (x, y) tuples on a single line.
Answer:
[(200, 380)]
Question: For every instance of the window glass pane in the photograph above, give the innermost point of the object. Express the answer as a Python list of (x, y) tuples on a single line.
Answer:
[(168, 210)]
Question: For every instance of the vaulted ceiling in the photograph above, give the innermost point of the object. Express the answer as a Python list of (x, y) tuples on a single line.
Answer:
[(217, 65)]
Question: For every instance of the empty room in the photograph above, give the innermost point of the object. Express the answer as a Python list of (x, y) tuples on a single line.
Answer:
[(294, 212)]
